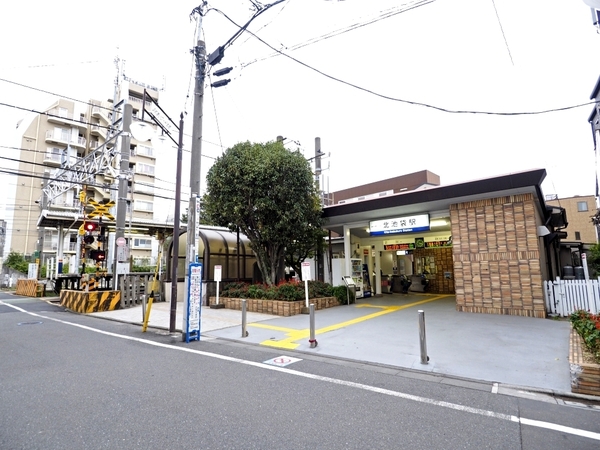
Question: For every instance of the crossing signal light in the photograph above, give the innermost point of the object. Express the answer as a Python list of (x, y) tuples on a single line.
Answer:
[(98, 255), (90, 226), (88, 239)]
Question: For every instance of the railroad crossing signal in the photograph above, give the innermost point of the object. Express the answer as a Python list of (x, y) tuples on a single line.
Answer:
[(101, 210)]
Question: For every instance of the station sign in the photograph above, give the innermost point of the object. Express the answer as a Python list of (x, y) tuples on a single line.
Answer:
[(406, 224)]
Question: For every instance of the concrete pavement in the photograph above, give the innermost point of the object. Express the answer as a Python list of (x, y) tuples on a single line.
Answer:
[(510, 350)]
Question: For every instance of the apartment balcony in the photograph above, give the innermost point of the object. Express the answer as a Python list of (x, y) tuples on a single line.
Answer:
[(72, 248), (61, 117), (97, 130), (53, 137), (53, 159), (100, 112), (69, 204)]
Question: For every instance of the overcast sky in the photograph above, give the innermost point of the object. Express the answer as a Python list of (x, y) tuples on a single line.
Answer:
[(501, 56)]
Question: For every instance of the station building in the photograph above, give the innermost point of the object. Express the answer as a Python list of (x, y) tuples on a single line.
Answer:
[(490, 242)]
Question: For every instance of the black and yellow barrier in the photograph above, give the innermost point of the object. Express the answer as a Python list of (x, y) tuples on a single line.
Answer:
[(29, 288), (89, 302)]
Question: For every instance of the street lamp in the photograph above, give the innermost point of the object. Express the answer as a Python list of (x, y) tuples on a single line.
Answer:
[(142, 131)]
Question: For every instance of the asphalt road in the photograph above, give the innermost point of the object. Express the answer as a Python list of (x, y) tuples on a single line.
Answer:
[(69, 381)]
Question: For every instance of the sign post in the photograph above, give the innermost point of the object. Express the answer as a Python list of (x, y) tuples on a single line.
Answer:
[(217, 305), (194, 300), (305, 277), (349, 282)]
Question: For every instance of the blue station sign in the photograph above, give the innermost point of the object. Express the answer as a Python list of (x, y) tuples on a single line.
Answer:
[(406, 224)]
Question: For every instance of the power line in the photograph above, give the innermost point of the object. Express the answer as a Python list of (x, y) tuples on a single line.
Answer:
[(45, 113), (54, 94), (410, 102), (387, 14), (502, 31)]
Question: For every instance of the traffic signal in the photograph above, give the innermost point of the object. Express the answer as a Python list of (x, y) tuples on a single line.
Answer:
[(98, 255), (90, 226), (102, 237)]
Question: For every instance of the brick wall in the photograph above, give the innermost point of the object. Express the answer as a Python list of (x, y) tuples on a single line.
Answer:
[(497, 256)]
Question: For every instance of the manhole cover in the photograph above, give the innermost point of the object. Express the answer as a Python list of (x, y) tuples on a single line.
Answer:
[(29, 323)]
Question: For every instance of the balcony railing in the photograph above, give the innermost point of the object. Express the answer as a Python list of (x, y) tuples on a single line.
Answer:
[(57, 136)]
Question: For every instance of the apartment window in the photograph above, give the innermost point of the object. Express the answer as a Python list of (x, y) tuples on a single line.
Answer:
[(140, 205), (577, 236), (582, 206), (144, 150), (145, 169), (142, 243)]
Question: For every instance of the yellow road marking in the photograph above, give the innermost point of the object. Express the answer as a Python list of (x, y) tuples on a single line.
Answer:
[(293, 335)]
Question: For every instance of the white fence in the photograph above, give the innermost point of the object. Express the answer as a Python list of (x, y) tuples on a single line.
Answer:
[(564, 297)]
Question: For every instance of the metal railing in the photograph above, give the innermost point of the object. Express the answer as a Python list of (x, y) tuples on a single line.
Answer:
[(135, 288)]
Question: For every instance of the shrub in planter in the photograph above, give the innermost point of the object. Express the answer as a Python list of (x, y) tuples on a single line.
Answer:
[(235, 290), (588, 327), (342, 293), (318, 289), (290, 291)]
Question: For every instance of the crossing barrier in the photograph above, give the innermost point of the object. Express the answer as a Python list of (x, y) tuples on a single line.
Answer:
[(89, 302)]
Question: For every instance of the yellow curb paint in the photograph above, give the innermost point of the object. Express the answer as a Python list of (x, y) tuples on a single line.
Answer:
[(296, 335)]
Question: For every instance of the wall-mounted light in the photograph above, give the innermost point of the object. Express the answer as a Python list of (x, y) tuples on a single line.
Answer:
[(438, 223), (542, 231)]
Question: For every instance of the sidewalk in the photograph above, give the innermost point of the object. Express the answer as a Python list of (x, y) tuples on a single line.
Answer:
[(512, 350)]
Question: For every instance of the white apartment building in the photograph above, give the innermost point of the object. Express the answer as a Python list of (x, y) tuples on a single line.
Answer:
[(69, 153)]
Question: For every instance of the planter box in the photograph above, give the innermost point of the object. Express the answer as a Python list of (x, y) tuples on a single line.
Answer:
[(275, 307), (585, 377)]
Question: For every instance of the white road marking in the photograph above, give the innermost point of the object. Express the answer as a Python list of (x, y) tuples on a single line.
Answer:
[(416, 398)]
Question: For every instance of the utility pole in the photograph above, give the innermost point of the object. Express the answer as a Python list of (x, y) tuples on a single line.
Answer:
[(121, 218), (195, 164), (319, 258)]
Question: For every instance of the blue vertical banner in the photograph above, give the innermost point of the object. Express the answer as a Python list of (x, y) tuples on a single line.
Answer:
[(194, 302)]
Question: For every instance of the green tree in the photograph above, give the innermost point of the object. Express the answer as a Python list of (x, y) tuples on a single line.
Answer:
[(268, 192), (17, 261), (593, 259), (304, 247)]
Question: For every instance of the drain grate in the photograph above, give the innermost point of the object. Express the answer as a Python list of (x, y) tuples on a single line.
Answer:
[(29, 323)]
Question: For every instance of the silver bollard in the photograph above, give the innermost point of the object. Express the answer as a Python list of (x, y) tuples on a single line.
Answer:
[(244, 332), (312, 340), (422, 337)]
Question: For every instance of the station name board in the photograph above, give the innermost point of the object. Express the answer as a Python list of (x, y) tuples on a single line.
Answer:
[(407, 224)]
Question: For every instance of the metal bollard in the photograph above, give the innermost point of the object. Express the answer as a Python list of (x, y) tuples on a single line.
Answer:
[(244, 332), (312, 340), (422, 338)]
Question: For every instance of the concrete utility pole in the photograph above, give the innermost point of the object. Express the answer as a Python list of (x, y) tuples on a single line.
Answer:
[(195, 166), (319, 257), (121, 218)]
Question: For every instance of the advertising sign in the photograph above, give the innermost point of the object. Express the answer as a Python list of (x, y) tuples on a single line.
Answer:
[(406, 224), (194, 301)]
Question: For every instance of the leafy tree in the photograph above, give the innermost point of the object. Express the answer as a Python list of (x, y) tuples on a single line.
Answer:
[(306, 246), (593, 259), (268, 192), (17, 261)]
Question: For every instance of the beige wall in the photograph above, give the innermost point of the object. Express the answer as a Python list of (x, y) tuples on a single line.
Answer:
[(579, 221), (496, 255)]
